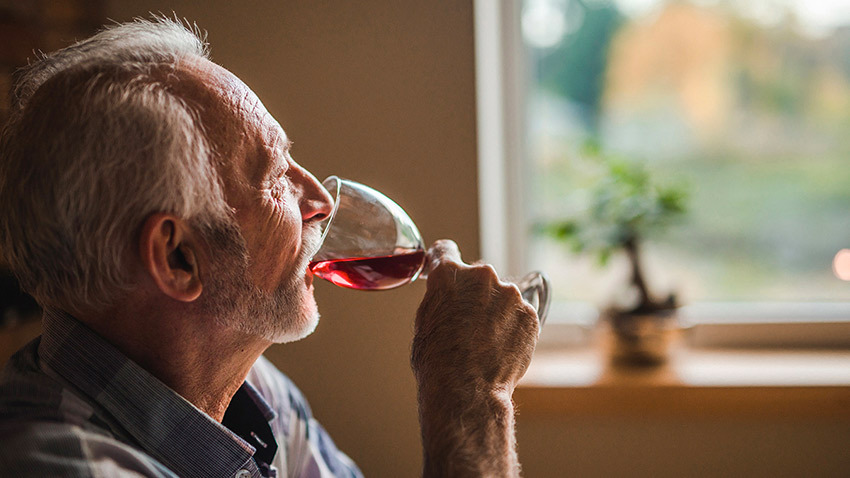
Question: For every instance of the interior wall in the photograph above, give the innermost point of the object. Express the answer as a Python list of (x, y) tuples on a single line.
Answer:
[(381, 91), (590, 447)]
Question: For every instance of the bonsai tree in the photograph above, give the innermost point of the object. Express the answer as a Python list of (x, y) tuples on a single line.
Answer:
[(624, 207)]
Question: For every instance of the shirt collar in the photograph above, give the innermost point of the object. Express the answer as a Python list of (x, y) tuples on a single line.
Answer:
[(248, 416), (164, 424)]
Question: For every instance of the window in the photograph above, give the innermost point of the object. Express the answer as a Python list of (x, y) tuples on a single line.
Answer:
[(744, 104)]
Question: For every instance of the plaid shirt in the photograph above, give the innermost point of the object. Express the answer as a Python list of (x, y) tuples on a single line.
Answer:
[(73, 405)]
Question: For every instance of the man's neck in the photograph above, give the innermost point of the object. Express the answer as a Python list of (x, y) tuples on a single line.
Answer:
[(193, 355)]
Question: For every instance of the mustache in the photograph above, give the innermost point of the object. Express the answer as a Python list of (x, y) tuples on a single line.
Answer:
[(310, 243)]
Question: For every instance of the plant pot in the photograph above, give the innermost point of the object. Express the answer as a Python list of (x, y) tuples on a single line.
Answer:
[(642, 338)]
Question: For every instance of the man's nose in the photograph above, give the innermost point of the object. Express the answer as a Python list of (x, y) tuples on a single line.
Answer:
[(316, 202)]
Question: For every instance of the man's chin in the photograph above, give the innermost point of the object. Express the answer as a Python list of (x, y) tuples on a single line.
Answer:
[(297, 333), (305, 324)]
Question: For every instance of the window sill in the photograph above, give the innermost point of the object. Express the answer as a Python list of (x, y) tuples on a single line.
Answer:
[(710, 383)]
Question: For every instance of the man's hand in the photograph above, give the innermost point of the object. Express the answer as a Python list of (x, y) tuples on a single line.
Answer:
[(474, 337)]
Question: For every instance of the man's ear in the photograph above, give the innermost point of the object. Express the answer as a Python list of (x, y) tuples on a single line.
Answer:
[(168, 250)]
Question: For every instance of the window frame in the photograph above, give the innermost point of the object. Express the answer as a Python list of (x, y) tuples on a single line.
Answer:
[(502, 185)]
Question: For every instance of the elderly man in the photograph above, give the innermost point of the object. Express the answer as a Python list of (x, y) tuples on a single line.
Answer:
[(152, 207)]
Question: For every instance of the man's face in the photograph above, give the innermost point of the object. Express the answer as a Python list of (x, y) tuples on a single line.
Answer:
[(263, 286)]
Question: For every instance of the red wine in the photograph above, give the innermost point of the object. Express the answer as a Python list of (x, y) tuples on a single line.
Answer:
[(370, 273)]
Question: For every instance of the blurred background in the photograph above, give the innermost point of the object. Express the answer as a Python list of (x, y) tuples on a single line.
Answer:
[(384, 92), (745, 104)]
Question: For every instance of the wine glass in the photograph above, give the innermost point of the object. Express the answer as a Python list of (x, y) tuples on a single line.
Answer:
[(370, 243)]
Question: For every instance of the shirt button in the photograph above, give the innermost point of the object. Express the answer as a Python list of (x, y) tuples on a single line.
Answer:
[(243, 474)]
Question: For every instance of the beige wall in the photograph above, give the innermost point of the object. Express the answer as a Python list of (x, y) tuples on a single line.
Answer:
[(605, 447), (383, 91), (380, 91)]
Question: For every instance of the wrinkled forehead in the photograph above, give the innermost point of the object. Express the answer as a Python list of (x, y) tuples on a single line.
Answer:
[(236, 122)]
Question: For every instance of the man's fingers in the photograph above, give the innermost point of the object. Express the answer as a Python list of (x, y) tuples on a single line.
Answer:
[(440, 252)]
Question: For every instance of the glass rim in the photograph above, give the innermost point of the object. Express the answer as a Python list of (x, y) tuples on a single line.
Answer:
[(335, 190)]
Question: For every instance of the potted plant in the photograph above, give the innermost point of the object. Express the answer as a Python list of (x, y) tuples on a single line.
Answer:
[(623, 207)]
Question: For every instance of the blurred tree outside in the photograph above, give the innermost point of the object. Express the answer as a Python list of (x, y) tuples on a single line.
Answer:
[(751, 113), (574, 68)]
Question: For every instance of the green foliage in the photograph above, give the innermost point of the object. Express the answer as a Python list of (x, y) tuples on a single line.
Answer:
[(622, 206), (575, 69)]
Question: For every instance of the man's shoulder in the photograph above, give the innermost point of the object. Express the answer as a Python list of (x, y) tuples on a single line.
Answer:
[(49, 430), (28, 393), (51, 448)]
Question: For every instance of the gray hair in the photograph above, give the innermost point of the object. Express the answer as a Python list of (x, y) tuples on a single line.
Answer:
[(97, 141)]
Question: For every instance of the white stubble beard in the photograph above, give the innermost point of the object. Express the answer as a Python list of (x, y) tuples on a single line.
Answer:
[(287, 314)]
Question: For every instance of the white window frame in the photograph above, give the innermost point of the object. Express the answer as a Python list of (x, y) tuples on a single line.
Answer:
[(501, 188)]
